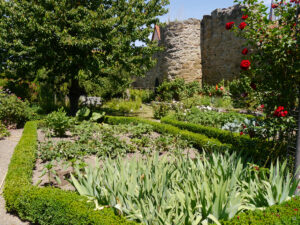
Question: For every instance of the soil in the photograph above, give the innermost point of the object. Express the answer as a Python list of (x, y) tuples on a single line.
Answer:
[(63, 169)]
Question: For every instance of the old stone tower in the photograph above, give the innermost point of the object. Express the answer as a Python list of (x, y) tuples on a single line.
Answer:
[(196, 50)]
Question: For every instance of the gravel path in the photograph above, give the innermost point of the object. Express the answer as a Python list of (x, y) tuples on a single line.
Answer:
[(7, 147)]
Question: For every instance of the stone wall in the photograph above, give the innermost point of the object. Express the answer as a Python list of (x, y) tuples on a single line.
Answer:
[(220, 48), (195, 50)]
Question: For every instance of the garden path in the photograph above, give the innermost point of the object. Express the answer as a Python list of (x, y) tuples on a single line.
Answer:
[(7, 147)]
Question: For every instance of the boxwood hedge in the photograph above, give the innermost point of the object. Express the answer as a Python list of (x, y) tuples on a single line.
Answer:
[(252, 146), (46, 205)]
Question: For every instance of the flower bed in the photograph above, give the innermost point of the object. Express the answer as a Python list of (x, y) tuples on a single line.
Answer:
[(46, 205)]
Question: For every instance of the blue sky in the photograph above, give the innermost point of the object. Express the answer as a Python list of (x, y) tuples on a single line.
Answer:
[(184, 9)]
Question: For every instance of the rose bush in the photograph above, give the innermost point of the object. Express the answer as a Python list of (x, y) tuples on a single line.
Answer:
[(275, 64)]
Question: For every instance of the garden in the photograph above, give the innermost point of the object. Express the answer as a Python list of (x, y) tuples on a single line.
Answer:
[(182, 153)]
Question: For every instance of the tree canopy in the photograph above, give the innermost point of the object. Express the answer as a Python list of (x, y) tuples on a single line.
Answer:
[(74, 41)]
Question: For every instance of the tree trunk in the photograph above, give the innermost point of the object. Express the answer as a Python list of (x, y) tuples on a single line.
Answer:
[(74, 95)]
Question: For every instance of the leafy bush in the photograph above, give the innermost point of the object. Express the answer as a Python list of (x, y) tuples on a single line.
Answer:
[(211, 118), (3, 131), (14, 111), (46, 205), (160, 110), (286, 213), (145, 95), (180, 190), (123, 106), (261, 150), (176, 90), (58, 122), (242, 94)]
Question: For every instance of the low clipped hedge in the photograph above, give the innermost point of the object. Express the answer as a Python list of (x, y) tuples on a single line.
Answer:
[(252, 146), (47, 205), (198, 140), (287, 213)]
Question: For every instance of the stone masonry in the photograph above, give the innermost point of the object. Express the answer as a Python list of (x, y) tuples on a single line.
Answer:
[(220, 48), (196, 50)]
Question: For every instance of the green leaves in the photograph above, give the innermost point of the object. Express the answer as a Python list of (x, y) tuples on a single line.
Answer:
[(175, 189)]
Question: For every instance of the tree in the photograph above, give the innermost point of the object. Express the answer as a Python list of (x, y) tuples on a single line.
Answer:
[(74, 41)]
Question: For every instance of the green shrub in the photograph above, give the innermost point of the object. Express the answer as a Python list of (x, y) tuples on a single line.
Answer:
[(123, 106), (176, 90), (3, 131), (58, 122), (287, 213), (145, 95), (14, 111), (160, 110), (46, 205), (241, 93), (259, 149), (211, 118)]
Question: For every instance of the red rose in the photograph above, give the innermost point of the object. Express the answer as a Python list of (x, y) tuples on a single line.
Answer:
[(245, 64), (244, 17), (279, 112), (221, 88), (229, 25), (242, 25), (241, 133), (245, 51), (274, 6)]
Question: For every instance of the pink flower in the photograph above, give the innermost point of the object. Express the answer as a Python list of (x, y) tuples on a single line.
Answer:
[(262, 106), (221, 88)]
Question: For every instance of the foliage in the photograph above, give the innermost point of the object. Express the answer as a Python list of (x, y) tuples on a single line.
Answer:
[(123, 106), (210, 118), (46, 205), (286, 213), (3, 131), (274, 54), (58, 122), (220, 89), (242, 94), (13, 110), (109, 140), (179, 190), (198, 140), (176, 90), (145, 95), (260, 150), (77, 41), (160, 110)]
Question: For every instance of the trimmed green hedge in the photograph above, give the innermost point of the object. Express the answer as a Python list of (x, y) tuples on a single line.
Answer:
[(46, 205), (287, 213), (198, 140), (252, 146)]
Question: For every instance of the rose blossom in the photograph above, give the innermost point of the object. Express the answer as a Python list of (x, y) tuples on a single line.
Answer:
[(229, 25), (245, 51), (245, 64), (244, 17), (274, 6), (242, 25)]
